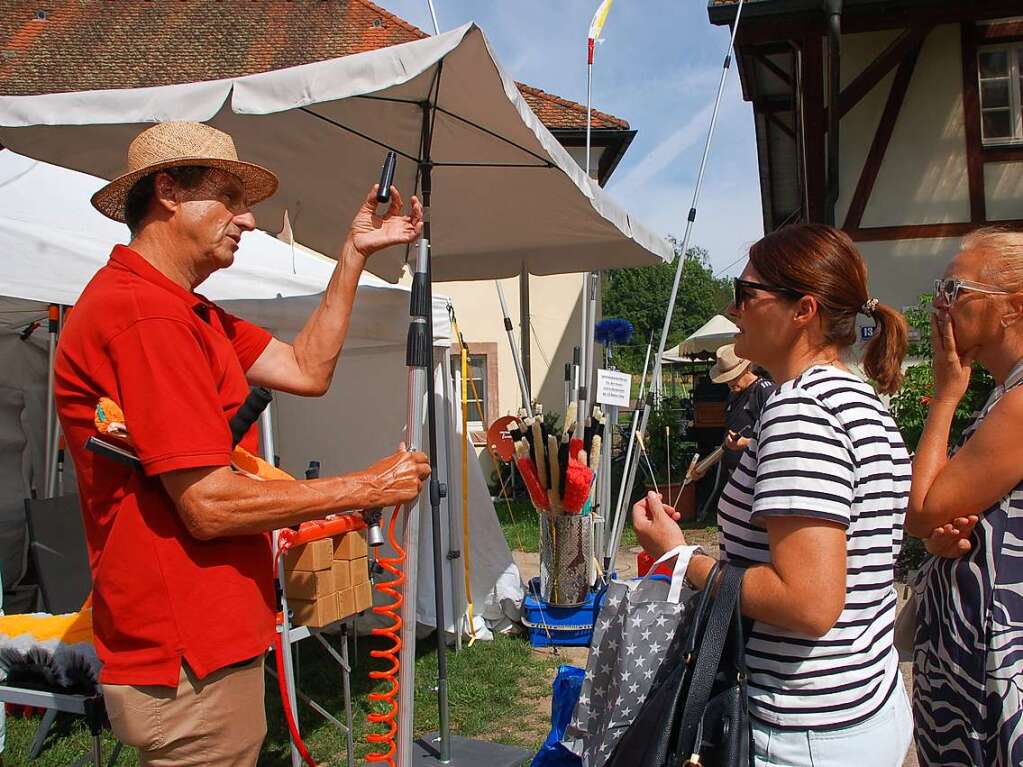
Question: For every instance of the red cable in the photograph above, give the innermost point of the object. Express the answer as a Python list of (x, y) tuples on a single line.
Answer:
[(391, 588), (307, 532)]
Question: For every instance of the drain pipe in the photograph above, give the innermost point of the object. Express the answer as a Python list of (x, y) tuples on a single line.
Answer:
[(833, 9)]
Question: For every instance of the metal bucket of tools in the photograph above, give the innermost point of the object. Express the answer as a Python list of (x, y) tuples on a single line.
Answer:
[(566, 558)]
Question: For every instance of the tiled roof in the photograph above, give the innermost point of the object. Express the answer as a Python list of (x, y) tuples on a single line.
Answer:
[(49, 46)]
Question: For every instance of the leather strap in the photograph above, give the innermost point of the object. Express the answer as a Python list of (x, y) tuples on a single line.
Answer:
[(715, 636)]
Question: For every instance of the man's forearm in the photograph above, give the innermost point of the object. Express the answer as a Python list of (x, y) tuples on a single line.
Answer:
[(217, 502), (318, 345)]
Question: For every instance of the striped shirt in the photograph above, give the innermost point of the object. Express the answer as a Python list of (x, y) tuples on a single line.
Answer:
[(825, 447)]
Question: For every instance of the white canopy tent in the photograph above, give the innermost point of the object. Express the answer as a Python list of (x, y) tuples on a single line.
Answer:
[(52, 242), (714, 333)]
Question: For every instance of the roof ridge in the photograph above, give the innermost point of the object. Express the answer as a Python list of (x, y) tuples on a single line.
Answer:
[(569, 104), (394, 17)]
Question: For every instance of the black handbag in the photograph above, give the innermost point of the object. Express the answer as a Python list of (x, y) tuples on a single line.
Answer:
[(697, 710)]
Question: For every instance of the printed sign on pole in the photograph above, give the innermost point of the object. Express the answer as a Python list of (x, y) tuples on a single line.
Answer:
[(614, 388)]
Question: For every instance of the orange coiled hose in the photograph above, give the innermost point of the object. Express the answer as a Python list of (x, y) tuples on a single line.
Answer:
[(392, 610)]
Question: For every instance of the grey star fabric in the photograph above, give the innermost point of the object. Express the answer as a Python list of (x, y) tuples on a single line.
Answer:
[(634, 628)]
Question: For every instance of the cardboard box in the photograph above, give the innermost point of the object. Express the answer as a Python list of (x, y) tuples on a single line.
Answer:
[(351, 545), (341, 570), (363, 596), (359, 570), (315, 613), (316, 555), (346, 603), (310, 586)]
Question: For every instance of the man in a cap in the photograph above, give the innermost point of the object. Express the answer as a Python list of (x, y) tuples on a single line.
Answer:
[(747, 393), (183, 600)]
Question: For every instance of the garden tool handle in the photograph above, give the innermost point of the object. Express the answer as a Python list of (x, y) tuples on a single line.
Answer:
[(259, 397)]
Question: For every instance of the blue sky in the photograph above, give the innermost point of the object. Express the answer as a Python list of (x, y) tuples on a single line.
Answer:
[(658, 68)]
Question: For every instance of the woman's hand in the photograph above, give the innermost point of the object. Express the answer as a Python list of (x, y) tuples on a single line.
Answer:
[(656, 525), (371, 232), (951, 369), (952, 541)]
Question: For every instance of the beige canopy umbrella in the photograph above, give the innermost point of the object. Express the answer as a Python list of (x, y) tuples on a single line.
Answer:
[(715, 332), (506, 194)]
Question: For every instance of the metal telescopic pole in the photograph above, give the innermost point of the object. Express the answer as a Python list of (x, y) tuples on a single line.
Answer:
[(417, 358), (519, 371), (628, 474), (690, 220)]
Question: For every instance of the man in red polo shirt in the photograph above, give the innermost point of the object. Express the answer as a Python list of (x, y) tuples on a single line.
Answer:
[(183, 599)]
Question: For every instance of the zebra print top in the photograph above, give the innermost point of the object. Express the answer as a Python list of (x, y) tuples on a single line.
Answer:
[(825, 447), (968, 648)]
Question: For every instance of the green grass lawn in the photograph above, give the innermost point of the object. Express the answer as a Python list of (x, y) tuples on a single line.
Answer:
[(489, 705)]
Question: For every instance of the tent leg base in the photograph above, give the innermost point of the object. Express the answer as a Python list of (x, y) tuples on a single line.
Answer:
[(466, 752)]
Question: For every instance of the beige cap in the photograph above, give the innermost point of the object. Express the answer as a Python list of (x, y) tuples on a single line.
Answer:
[(729, 365), (176, 144)]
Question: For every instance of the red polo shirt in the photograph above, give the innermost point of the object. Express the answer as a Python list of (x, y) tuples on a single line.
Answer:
[(176, 364)]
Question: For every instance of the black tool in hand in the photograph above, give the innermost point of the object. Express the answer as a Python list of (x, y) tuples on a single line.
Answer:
[(386, 178)]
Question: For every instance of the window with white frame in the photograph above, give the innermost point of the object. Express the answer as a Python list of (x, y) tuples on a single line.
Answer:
[(477, 396), (1000, 68)]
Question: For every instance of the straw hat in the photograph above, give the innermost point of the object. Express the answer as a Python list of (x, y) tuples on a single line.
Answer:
[(729, 365), (174, 144)]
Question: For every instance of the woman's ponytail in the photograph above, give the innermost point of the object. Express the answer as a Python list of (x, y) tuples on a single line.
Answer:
[(882, 360)]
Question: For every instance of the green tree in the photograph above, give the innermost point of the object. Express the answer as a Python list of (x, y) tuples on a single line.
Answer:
[(640, 295)]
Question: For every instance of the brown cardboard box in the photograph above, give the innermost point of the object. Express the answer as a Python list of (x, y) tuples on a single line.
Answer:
[(342, 575), (363, 596), (346, 602), (316, 555), (309, 586), (359, 570), (351, 545), (317, 613)]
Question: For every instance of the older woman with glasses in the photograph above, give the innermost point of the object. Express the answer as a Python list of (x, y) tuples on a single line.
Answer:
[(968, 654), (814, 510)]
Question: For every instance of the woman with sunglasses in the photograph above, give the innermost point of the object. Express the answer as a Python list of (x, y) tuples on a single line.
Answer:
[(814, 510), (968, 653)]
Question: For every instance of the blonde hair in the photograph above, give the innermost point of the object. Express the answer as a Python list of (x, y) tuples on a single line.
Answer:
[(1004, 267)]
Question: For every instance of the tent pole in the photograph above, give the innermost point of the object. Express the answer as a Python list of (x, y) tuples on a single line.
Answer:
[(456, 553), (690, 220), (509, 329), (53, 321), (525, 344)]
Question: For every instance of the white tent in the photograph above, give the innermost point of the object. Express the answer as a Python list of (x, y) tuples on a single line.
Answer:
[(716, 332), (52, 241)]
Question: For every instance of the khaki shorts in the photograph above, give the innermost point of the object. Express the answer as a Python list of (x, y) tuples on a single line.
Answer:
[(218, 721)]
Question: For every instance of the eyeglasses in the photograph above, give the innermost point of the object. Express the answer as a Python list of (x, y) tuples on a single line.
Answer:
[(949, 288), (741, 290)]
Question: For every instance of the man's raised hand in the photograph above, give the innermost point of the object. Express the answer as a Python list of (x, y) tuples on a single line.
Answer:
[(371, 232)]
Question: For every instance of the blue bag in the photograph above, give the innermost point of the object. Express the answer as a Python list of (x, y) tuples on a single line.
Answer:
[(566, 686)]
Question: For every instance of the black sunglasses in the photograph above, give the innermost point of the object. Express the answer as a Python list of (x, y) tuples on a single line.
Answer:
[(741, 290)]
